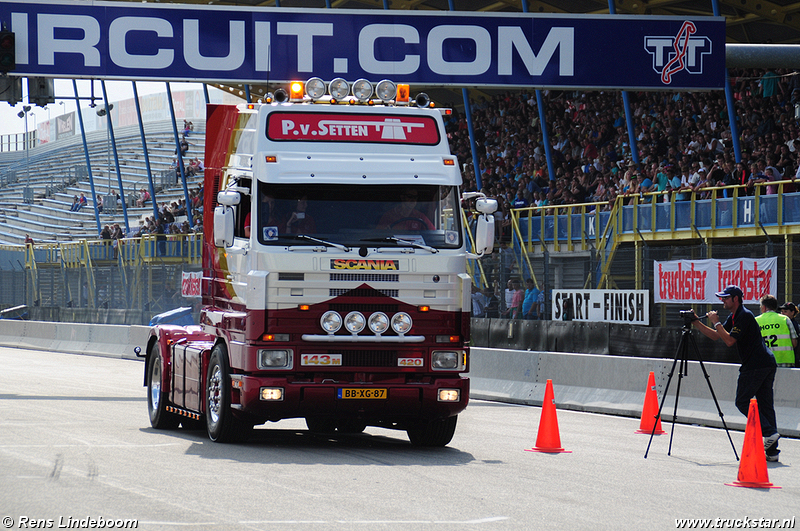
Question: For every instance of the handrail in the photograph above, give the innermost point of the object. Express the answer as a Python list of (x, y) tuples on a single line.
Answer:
[(523, 249)]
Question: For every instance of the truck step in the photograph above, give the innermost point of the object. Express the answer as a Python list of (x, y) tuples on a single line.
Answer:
[(183, 412)]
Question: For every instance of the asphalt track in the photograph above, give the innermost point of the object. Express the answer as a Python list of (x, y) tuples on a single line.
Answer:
[(75, 443)]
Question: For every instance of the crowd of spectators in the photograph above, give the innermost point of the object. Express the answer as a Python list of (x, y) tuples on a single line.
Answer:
[(684, 143)]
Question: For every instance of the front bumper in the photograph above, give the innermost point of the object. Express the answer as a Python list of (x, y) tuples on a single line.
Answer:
[(403, 402)]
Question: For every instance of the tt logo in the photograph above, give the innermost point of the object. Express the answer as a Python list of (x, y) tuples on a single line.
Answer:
[(672, 54)]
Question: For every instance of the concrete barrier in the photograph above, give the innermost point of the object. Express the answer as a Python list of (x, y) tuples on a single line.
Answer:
[(114, 341), (617, 385)]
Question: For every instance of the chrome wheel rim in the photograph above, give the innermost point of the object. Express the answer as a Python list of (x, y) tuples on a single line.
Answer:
[(215, 393), (155, 384)]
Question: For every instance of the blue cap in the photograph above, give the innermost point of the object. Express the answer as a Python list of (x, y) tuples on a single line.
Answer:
[(730, 291)]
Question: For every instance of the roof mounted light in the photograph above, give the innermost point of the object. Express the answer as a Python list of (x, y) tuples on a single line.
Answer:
[(362, 90), (386, 90), (296, 90), (403, 93), (339, 89), (281, 95), (315, 88), (422, 100)]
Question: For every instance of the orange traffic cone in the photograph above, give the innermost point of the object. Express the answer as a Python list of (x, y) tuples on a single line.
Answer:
[(753, 466), (548, 440), (650, 410)]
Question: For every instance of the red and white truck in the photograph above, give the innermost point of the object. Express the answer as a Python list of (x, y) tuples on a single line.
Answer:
[(334, 271)]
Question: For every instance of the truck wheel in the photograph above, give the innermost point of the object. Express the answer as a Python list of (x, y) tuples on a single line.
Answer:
[(221, 424), (437, 432), (160, 419)]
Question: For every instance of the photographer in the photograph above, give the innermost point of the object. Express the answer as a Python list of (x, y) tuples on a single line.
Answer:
[(757, 372)]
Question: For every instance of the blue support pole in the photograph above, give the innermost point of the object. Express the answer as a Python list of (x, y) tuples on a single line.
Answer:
[(551, 172), (548, 155), (205, 93), (472, 147), (246, 93), (86, 152), (612, 9), (116, 157), (144, 148), (730, 102), (180, 157)]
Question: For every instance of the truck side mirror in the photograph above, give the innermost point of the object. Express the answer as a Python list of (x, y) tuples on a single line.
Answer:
[(484, 234), (223, 226), (229, 198)]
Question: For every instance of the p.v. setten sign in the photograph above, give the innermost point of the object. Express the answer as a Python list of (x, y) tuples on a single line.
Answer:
[(211, 43)]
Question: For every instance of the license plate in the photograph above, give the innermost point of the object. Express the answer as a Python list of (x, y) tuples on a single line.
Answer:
[(374, 394), (321, 360)]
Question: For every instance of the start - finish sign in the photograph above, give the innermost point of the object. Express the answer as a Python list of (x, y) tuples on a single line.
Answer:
[(251, 45)]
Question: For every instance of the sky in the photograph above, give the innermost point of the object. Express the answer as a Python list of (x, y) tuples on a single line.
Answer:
[(65, 100)]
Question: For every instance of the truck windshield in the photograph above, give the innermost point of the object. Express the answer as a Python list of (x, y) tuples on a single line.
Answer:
[(354, 215)]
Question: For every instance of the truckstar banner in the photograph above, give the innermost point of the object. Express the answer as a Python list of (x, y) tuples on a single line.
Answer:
[(253, 45), (190, 284), (696, 281)]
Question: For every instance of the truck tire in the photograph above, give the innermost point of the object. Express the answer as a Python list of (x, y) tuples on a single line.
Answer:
[(436, 432), (222, 425), (160, 418)]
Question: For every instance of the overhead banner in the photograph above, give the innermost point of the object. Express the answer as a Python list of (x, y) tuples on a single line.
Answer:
[(253, 45), (696, 281), (602, 305)]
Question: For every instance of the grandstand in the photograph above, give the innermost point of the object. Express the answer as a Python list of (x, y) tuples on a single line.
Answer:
[(56, 172)]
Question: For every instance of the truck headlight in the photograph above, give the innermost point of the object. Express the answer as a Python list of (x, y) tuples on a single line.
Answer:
[(355, 322), (448, 360), (401, 323), (378, 322), (330, 321), (274, 359)]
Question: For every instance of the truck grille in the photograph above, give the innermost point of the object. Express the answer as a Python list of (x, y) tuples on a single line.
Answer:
[(364, 277), (367, 358), (337, 292)]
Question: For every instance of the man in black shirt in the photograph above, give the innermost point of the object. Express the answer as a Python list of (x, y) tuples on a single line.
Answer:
[(757, 372)]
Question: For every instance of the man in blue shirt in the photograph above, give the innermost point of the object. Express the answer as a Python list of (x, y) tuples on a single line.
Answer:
[(757, 372), (530, 308)]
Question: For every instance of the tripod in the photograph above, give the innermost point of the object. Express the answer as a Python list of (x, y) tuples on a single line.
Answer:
[(682, 354)]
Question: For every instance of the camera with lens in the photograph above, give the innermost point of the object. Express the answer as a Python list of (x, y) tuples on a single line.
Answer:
[(688, 316)]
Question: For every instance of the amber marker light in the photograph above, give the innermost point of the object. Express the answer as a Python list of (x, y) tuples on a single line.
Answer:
[(423, 308), (449, 162), (304, 307), (251, 106), (403, 93), (296, 90), (271, 158)]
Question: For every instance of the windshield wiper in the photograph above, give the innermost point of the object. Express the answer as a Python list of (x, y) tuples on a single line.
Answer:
[(317, 240), (400, 241)]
